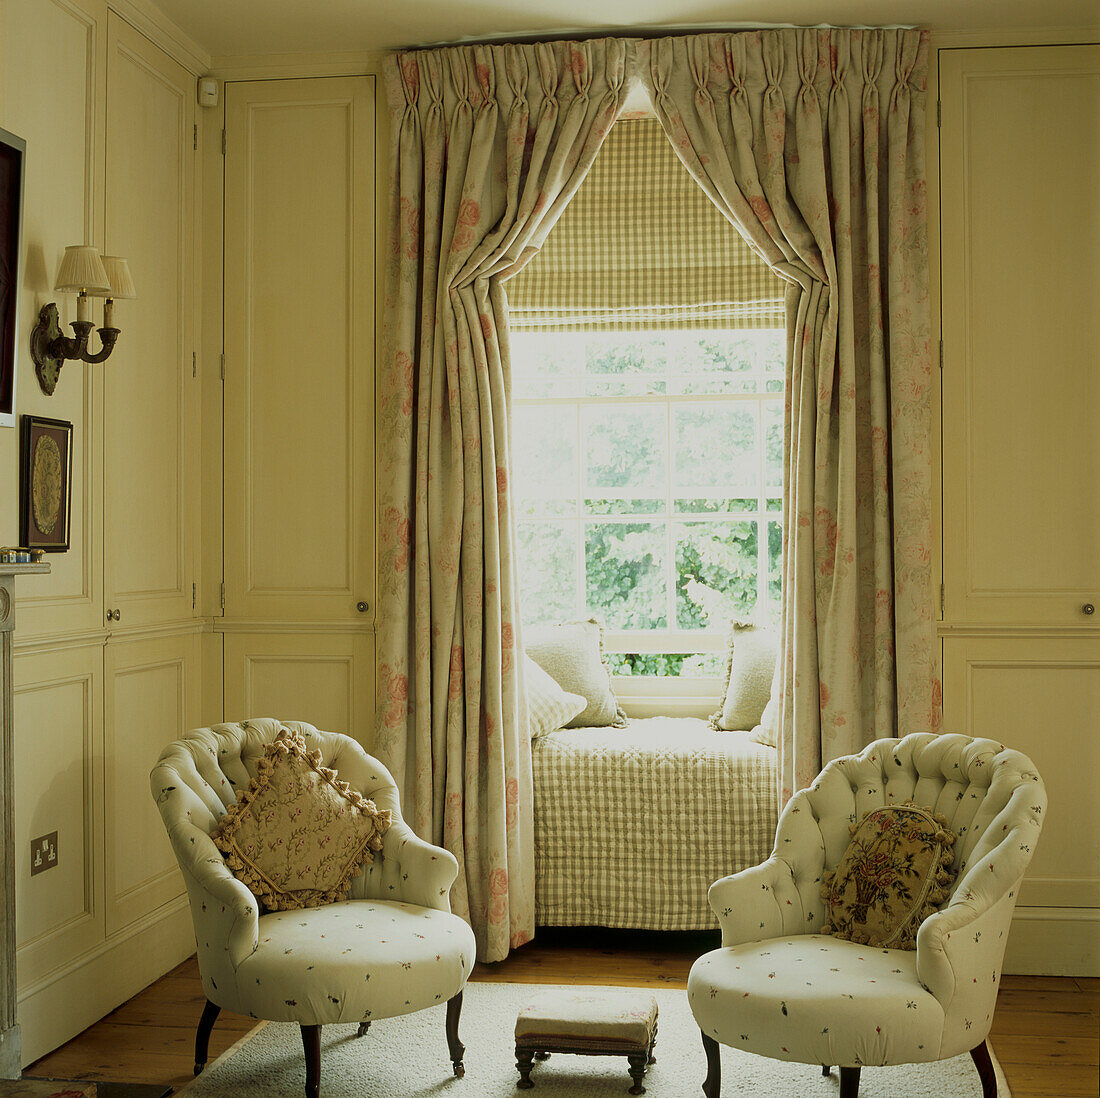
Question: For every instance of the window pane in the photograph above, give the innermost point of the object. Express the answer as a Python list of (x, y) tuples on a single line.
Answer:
[(775, 565), (547, 571), (693, 665), (715, 450), (623, 506), (773, 444), (710, 506), (619, 353), (625, 565), (716, 573), (546, 364), (544, 445), (625, 448)]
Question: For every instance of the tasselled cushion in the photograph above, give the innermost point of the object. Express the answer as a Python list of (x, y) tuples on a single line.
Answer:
[(298, 835), (895, 872)]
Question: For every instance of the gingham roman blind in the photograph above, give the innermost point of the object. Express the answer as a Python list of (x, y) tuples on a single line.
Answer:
[(642, 247)]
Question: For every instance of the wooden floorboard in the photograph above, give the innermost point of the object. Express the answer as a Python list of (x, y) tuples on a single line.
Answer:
[(1046, 1031)]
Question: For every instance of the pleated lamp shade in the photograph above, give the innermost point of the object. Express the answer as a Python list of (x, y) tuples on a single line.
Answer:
[(82, 270), (118, 274)]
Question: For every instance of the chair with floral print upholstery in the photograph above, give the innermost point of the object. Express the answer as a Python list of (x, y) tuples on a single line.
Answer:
[(777, 987), (393, 947)]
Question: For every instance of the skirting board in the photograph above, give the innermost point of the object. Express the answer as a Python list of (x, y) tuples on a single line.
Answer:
[(1054, 941), (59, 1007)]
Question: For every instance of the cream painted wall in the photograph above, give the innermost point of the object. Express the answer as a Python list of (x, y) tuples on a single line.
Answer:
[(94, 703)]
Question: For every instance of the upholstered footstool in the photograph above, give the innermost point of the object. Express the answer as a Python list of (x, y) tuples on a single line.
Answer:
[(592, 1021)]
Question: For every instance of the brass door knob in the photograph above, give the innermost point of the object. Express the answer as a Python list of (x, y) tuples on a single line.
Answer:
[(361, 607), (1088, 608)]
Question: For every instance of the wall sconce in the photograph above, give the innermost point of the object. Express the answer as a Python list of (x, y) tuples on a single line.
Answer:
[(85, 273)]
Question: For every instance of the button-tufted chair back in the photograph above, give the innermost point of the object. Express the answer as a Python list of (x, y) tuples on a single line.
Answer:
[(197, 777), (991, 796)]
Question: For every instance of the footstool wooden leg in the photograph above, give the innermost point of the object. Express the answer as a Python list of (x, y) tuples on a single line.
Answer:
[(457, 1048), (712, 1085), (637, 1061), (362, 1030), (525, 1060)]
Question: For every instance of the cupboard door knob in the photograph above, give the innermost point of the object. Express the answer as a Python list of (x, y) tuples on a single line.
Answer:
[(1088, 608), (361, 607)]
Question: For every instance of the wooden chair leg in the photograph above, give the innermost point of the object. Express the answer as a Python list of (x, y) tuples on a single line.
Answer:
[(311, 1042), (824, 1071), (362, 1030), (712, 1085), (849, 1082), (980, 1055), (457, 1048), (210, 1014)]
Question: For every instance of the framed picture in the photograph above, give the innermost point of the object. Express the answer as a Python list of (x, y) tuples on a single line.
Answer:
[(13, 154), (46, 477)]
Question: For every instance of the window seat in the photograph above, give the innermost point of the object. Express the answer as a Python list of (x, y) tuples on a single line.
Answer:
[(633, 825)]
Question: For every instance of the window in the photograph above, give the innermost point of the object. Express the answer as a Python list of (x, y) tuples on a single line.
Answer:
[(648, 471)]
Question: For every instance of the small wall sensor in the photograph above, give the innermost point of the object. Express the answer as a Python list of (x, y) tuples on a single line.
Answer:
[(208, 91)]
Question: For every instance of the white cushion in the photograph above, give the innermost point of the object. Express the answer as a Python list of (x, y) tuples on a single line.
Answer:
[(354, 961), (752, 656), (815, 999), (549, 706), (572, 655)]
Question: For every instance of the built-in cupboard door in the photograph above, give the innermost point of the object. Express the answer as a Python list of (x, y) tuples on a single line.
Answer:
[(299, 350), (1020, 241), (151, 405)]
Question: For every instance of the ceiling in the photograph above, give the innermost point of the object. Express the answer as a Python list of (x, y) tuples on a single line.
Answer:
[(232, 27)]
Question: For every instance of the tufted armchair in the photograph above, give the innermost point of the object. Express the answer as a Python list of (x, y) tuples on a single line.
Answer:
[(778, 988), (392, 948)]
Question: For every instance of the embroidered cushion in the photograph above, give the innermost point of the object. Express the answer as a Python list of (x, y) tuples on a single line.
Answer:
[(572, 655), (751, 666), (298, 835), (548, 706), (894, 874)]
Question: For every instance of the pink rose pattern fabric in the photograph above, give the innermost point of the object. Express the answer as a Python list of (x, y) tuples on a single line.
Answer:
[(811, 142), (489, 145)]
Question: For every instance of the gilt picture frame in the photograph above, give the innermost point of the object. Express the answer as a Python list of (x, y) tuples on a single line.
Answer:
[(46, 475), (13, 156)]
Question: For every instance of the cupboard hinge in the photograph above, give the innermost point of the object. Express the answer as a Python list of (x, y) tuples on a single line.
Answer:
[(942, 602), (194, 364), (223, 596), (194, 594), (195, 138), (939, 114), (223, 142), (223, 365), (941, 354)]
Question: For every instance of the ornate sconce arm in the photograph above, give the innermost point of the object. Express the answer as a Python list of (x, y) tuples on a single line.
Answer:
[(108, 338)]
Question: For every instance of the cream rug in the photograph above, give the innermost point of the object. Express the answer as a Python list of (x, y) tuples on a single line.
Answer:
[(407, 1058)]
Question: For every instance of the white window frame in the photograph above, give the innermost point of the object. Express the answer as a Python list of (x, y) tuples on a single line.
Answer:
[(650, 694)]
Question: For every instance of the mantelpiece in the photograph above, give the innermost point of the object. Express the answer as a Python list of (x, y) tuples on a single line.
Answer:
[(10, 1066)]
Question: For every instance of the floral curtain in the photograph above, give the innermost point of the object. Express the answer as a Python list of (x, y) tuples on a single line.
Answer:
[(489, 145), (811, 143)]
